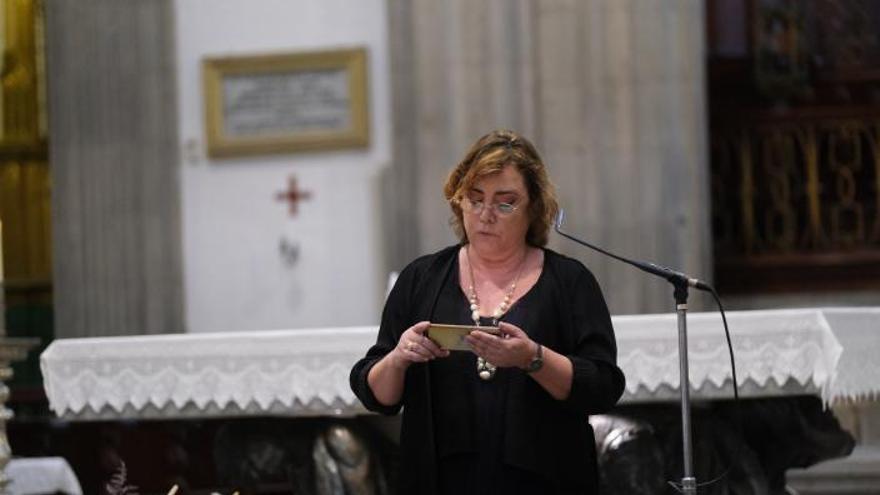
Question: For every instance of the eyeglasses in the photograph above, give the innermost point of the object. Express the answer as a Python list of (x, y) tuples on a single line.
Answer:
[(475, 207)]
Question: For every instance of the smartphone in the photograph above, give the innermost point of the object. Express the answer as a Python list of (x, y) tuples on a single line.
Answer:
[(452, 336)]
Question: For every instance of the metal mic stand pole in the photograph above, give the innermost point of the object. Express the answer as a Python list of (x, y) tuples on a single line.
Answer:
[(688, 482)]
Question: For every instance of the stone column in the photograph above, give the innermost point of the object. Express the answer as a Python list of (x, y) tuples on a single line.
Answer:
[(611, 91), (114, 158)]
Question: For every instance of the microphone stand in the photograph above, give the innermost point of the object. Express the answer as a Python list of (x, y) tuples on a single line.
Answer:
[(680, 283), (688, 480)]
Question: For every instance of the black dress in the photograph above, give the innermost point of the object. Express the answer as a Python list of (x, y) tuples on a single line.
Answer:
[(461, 434), (480, 469)]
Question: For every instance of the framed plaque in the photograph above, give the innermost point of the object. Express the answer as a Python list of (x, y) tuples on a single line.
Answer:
[(286, 102)]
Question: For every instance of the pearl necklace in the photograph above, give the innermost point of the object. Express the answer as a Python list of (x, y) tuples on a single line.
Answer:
[(485, 369)]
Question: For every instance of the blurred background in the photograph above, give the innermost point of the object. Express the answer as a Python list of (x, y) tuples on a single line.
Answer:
[(735, 140)]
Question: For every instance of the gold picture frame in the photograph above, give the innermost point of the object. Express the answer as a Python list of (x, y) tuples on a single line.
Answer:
[(279, 103)]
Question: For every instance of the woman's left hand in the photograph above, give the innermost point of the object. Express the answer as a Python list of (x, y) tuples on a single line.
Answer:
[(512, 348)]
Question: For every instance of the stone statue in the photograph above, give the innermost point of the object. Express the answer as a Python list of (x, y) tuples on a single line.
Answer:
[(344, 464), (629, 455)]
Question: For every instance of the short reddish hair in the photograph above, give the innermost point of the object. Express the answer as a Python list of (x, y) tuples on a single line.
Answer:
[(489, 155)]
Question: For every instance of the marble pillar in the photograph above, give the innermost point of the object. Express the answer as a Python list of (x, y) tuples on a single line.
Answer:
[(114, 158), (611, 91)]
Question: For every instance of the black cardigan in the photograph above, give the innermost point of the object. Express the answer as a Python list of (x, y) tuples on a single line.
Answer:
[(542, 434)]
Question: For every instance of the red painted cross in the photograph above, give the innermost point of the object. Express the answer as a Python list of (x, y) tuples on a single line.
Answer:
[(293, 195)]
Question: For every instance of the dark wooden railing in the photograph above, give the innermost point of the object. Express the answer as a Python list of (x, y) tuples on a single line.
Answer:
[(795, 201)]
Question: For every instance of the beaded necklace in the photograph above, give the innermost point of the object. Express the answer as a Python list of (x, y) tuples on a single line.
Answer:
[(485, 369)]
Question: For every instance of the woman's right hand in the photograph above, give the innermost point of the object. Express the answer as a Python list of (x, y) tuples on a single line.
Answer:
[(387, 377), (415, 347)]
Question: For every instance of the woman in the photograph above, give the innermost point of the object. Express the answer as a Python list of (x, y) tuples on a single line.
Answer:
[(511, 417)]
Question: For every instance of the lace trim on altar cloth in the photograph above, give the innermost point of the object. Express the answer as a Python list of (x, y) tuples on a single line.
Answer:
[(305, 372), (771, 348)]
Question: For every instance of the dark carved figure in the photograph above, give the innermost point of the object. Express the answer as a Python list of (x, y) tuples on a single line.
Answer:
[(305, 457), (249, 455), (344, 464), (778, 434), (630, 459), (790, 433)]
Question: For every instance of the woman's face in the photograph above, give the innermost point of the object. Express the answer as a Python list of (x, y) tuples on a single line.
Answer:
[(494, 228)]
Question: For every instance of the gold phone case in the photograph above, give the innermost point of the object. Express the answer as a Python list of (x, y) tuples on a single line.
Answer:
[(452, 336)]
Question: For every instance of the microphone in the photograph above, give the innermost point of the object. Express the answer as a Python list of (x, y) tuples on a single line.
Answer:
[(676, 278)]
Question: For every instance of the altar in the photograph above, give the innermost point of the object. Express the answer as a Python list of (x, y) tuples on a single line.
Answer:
[(823, 351), (276, 394)]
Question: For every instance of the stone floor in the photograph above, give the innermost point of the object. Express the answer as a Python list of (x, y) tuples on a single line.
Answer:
[(857, 474)]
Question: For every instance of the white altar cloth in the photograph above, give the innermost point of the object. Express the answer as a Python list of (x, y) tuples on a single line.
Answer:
[(305, 372), (41, 475)]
